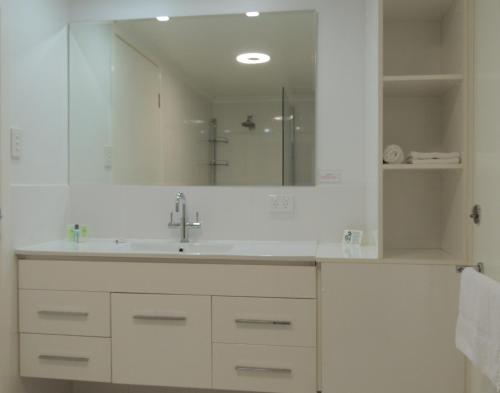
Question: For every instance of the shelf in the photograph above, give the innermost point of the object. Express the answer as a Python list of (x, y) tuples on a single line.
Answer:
[(424, 256), (422, 167), (411, 10), (420, 85)]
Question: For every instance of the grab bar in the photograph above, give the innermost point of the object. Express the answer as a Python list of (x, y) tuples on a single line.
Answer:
[(479, 267)]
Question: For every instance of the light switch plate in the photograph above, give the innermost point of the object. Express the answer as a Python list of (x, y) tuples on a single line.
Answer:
[(108, 157), (16, 143), (281, 203)]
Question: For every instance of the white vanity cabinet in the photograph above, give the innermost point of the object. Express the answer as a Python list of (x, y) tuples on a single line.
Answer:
[(389, 328), (231, 326)]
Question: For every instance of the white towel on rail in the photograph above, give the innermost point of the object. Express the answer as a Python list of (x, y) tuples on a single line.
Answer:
[(429, 156), (393, 154), (478, 326)]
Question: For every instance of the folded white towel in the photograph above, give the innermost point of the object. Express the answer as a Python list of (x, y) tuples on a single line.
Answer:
[(478, 326), (429, 156), (433, 161), (393, 154)]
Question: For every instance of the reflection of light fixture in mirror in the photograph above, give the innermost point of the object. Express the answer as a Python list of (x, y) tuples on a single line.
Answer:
[(253, 58), (252, 14), (163, 18)]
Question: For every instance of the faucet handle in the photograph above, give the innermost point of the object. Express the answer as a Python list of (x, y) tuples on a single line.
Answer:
[(196, 223), (172, 224)]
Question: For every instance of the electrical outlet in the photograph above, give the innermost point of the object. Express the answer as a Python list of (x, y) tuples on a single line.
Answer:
[(281, 203), (108, 157), (16, 143)]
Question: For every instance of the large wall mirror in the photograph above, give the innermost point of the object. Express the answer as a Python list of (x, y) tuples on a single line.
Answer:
[(210, 100)]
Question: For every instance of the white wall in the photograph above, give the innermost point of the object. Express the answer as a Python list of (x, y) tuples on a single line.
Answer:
[(90, 101), (341, 135), (254, 156), (305, 142), (137, 152), (185, 116), (34, 190), (181, 152)]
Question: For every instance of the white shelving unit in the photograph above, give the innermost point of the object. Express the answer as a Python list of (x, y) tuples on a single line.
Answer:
[(420, 85), (424, 109), (422, 167)]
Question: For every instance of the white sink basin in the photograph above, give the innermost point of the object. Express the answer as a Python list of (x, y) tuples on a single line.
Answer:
[(203, 248), (211, 250)]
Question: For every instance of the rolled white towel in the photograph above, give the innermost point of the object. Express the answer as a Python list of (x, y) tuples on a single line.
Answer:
[(431, 156), (393, 154)]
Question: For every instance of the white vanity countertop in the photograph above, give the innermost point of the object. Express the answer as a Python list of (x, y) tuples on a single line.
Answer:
[(334, 252), (209, 250), (164, 249)]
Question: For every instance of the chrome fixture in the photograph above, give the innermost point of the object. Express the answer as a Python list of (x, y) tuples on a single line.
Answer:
[(183, 224), (476, 214), (479, 267), (249, 123)]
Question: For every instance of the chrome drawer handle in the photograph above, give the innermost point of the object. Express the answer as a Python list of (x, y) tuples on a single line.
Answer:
[(64, 313), (64, 358), (263, 370), (262, 322), (159, 318)]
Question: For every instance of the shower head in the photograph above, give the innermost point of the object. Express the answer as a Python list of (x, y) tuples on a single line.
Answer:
[(249, 123)]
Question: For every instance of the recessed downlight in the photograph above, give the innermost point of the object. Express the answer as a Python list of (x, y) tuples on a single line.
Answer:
[(252, 14), (253, 58), (163, 18)]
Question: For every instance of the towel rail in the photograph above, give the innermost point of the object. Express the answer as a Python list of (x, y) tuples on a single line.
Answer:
[(479, 267)]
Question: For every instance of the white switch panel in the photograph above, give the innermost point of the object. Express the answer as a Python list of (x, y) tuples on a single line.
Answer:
[(281, 203), (108, 157), (16, 143)]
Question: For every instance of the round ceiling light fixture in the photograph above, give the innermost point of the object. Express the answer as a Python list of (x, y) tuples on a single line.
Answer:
[(163, 18), (253, 58), (252, 14)]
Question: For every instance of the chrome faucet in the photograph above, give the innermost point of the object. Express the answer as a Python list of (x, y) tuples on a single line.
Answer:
[(183, 224)]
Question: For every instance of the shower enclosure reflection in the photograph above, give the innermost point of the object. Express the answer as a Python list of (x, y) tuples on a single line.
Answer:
[(169, 103)]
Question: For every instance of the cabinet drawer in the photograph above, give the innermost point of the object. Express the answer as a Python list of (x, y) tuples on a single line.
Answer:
[(259, 368), (161, 340), (203, 279), (65, 357), (65, 313), (264, 321)]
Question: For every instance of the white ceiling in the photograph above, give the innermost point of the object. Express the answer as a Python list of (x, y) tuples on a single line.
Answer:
[(205, 49), (430, 10)]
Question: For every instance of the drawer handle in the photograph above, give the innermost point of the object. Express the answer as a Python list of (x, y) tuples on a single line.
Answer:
[(263, 370), (262, 322), (159, 318), (64, 313), (64, 358)]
